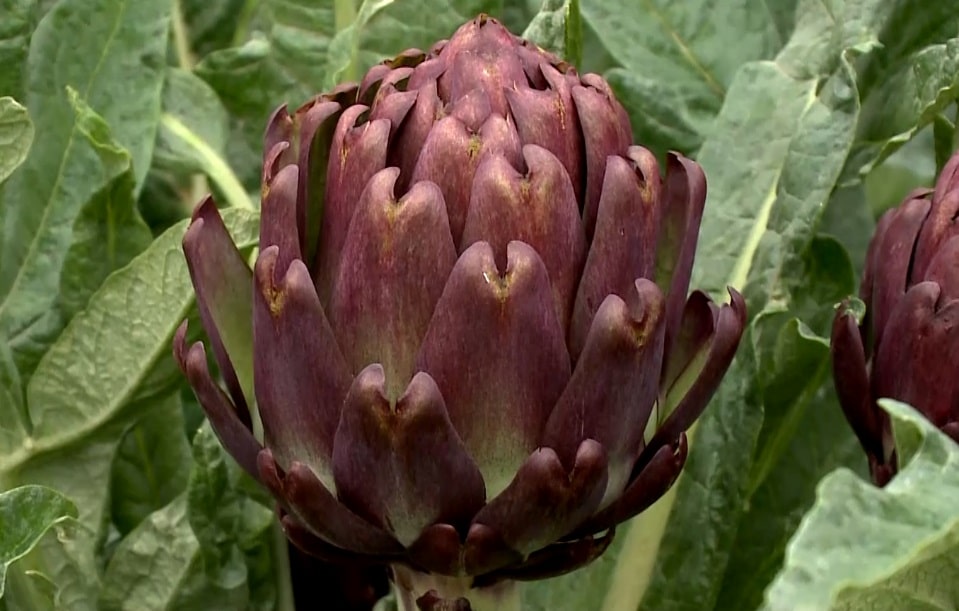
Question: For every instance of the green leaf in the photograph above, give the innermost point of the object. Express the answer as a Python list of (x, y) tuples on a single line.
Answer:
[(226, 520), (19, 20), (558, 27), (904, 102), (26, 513), (108, 355), (193, 134), (16, 136), (678, 59), (151, 466), (13, 414), (115, 66), (111, 366), (157, 566), (197, 107), (862, 547), (108, 232)]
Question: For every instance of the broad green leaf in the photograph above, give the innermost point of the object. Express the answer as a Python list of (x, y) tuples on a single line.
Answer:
[(151, 466), (108, 232), (558, 27), (158, 567), (116, 66), (678, 59), (862, 547), (26, 513), (19, 20), (111, 366), (16, 136), (216, 25), (108, 355), (848, 218)]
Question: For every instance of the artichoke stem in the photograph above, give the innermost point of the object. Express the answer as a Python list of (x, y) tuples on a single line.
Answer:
[(417, 591)]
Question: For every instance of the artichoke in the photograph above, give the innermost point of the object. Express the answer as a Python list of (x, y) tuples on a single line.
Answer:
[(911, 325), (466, 347)]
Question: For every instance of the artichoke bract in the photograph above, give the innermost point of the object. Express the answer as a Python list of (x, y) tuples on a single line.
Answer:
[(466, 347), (910, 330)]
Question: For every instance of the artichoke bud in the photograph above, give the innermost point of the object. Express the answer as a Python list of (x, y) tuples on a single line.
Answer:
[(906, 345), (468, 333)]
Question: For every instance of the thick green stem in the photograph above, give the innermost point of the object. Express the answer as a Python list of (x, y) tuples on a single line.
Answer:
[(410, 586)]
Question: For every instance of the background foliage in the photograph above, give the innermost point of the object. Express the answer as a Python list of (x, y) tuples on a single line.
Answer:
[(810, 118)]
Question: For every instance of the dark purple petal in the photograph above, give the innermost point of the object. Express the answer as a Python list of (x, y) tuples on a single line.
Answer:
[(684, 198), (316, 121), (301, 377), (655, 477), (948, 179), (482, 54), (401, 465), (545, 501), (606, 132), (548, 119), (278, 224), (308, 543), (538, 209), (695, 328), (222, 281), (414, 131), (279, 130), (496, 351), (472, 109), (695, 386), (396, 260), (554, 560), (614, 386), (851, 379), (624, 242), (356, 155), (311, 503), (438, 550), (230, 430), (944, 269), (894, 255), (485, 551), (450, 158), (939, 227), (917, 363)]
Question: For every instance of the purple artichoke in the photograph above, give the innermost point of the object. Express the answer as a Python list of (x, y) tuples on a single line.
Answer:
[(466, 347), (911, 328)]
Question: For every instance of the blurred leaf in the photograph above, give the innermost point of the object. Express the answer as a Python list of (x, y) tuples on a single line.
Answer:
[(861, 547), (581, 589), (228, 523), (905, 101), (16, 136), (215, 25), (115, 66), (677, 60), (192, 137), (151, 466), (188, 98), (558, 27), (19, 20), (848, 219), (26, 513)]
